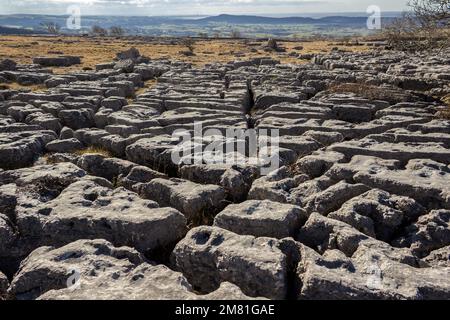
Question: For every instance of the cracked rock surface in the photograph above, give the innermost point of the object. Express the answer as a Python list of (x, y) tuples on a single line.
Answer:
[(93, 205)]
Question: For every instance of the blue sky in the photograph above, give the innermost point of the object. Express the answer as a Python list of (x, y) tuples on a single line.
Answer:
[(197, 7)]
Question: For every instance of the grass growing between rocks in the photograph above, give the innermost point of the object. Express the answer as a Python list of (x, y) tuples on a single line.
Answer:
[(95, 50), (362, 90), (16, 86), (147, 85), (94, 150), (446, 113)]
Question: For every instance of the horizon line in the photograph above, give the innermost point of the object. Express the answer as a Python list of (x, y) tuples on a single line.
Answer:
[(278, 15)]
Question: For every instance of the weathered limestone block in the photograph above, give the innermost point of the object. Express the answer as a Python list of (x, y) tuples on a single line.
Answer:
[(332, 198), (192, 199), (86, 210), (108, 168), (21, 149), (379, 214), (367, 275), (137, 176), (319, 162), (401, 151), (438, 258), (208, 256), (262, 219), (430, 232), (4, 284), (276, 185), (123, 275), (77, 119), (61, 61), (236, 180), (64, 146), (322, 233)]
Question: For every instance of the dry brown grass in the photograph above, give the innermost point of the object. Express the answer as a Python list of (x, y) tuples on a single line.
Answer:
[(102, 50), (147, 85), (94, 150), (16, 86), (446, 113)]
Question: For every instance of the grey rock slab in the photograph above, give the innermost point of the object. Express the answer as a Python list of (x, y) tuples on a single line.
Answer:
[(276, 186), (88, 210), (208, 256), (64, 146), (19, 113), (108, 168), (236, 180), (331, 198), (61, 61), (155, 152), (262, 218), (425, 181), (429, 233), (367, 275), (4, 284), (45, 121), (77, 119), (325, 138), (438, 258), (114, 103), (131, 53), (192, 199), (318, 162), (33, 96), (7, 65), (402, 151), (322, 234), (435, 126), (137, 176), (21, 149), (62, 174), (139, 117), (66, 133), (379, 214), (105, 273)]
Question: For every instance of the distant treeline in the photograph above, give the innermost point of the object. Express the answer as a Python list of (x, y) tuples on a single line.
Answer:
[(11, 31)]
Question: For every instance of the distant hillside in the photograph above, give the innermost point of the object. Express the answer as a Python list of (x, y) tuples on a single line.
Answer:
[(25, 20), (238, 19), (250, 25)]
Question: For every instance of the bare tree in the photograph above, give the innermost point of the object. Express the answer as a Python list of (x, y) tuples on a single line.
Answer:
[(404, 34), (427, 26), (432, 12), (98, 31), (116, 31), (235, 34), (188, 43), (51, 27)]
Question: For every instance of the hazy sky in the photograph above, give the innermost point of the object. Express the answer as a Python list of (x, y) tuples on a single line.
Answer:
[(197, 7)]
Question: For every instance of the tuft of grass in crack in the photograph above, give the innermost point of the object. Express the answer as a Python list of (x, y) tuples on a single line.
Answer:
[(94, 150), (445, 114)]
